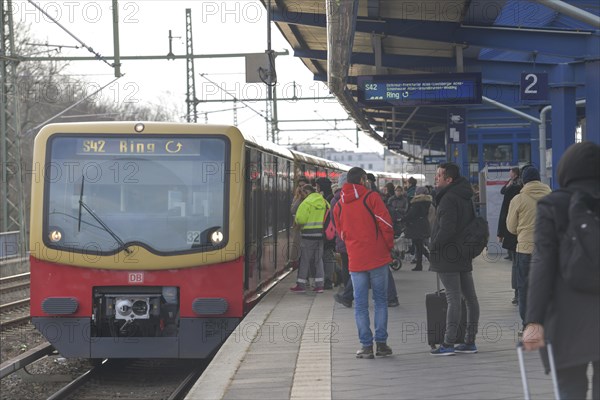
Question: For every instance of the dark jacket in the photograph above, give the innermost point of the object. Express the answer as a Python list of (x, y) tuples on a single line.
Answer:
[(454, 211), (571, 319), (410, 193), (397, 207), (509, 240), (417, 224)]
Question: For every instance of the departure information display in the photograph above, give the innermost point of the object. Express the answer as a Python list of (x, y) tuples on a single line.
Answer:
[(419, 90)]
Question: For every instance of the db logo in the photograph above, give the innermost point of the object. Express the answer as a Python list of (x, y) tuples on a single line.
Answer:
[(135, 277)]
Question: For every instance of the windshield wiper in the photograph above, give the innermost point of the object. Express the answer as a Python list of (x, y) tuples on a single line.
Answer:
[(99, 220), (80, 204)]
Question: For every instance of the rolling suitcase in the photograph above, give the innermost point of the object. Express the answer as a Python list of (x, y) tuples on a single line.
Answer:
[(527, 394), (437, 307)]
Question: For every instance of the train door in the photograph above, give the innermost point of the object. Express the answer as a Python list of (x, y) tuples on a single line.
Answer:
[(284, 201), (268, 259), (253, 218)]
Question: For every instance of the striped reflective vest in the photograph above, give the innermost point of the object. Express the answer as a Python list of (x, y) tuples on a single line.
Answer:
[(310, 216)]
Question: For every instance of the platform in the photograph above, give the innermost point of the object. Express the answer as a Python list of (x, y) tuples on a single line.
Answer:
[(302, 346)]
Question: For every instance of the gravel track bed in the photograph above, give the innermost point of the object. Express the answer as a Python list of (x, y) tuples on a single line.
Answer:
[(40, 379), (14, 295)]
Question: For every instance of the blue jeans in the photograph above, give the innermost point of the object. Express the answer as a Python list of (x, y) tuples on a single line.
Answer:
[(459, 284), (573, 382), (392, 294), (378, 279), (523, 261)]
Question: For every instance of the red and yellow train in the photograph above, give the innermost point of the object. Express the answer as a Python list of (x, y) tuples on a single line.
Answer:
[(155, 239)]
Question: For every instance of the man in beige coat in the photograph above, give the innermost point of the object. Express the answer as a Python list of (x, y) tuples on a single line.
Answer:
[(521, 222)]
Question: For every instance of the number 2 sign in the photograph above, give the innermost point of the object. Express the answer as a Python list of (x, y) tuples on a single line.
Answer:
[(534, 86)]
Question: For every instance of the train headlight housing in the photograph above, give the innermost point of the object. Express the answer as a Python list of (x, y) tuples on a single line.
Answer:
[(140, 308), (123, 308), (131, 308), (216, 237), (55, 235)]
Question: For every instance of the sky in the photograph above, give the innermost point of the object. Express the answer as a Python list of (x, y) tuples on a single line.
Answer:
[(218, 27)]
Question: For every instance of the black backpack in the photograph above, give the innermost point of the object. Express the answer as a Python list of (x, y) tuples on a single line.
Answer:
[(579, 258), (474, 237)]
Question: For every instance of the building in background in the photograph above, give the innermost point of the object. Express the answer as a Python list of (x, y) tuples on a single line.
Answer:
[(367, 160)]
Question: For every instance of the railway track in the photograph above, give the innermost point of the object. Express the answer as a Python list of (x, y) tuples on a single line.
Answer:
[(14, 314), (14, 282), (22, 360), (14, 288), (134, 379), (14, 295)]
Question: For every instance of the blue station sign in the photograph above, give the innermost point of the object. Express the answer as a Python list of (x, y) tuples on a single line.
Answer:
[(434, 160), (419, 90), (534, 86)]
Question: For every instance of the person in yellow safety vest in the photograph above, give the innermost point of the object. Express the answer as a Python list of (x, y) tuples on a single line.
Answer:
[(309, 217)]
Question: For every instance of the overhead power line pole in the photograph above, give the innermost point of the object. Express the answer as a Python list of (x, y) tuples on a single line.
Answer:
[(12, 216), (191, 100)]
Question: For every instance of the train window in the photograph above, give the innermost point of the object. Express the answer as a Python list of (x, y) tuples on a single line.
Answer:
[(473, 150), (166, 194), (497, 152), (524, 152), (269, 171)]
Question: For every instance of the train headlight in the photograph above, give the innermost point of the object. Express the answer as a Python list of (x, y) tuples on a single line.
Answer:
[(216, 237), (55, 235), (139, 127)]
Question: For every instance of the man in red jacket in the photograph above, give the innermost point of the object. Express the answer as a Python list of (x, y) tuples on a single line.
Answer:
[(364, 224)]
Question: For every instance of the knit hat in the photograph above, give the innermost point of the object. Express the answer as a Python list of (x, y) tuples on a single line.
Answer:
[(580, 161), (324, 183), (530, 173), (421, 190)]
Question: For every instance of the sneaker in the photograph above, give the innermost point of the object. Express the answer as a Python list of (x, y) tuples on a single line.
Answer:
[(365, 352), (383, 350), (443, 351), (515, 301), (318, 290), (298, 289), (328, 284), (393, 303), (346, 303), (418, 268), (468, 348)]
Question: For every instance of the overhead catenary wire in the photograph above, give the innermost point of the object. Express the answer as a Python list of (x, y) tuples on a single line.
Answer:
[(232, 95), (35, 128), (90, 49)]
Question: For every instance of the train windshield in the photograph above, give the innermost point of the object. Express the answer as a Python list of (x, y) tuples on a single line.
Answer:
[(105, 193)]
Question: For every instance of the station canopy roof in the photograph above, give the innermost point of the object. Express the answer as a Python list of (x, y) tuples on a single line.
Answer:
[(407, 37)]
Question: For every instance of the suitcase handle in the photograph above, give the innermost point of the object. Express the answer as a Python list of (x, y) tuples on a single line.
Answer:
[(527, 394)]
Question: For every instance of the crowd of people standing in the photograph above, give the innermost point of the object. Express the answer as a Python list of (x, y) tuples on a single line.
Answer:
[(532, 227)]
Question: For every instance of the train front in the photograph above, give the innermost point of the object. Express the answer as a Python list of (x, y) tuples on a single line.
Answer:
[(137, 238)]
